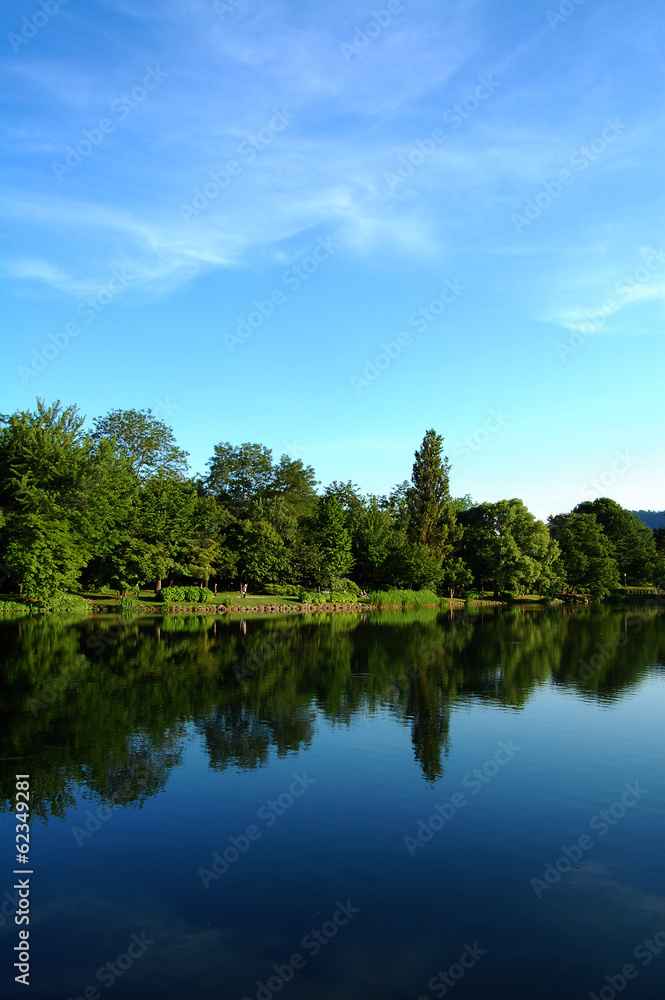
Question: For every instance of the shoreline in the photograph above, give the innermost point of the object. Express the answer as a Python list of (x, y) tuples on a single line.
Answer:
[(98, 609)]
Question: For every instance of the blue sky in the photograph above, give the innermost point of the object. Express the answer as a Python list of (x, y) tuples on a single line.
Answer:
[(329, 227)]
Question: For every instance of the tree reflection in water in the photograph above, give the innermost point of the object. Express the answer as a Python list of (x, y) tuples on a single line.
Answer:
[(103, 706)]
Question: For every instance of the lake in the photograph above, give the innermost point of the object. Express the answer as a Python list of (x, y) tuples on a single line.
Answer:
[(396, 805)]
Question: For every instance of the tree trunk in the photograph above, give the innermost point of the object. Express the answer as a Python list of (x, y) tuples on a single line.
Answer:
[(158, 585)]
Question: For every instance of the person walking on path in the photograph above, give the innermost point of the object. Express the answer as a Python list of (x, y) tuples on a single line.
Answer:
[(244, 590)]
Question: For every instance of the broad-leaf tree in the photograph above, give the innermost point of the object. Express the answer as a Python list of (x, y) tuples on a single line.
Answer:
[(507, 549), (144, 440), (632, 542), (334, 539), (61, 497), (239, 474), (587, 553)]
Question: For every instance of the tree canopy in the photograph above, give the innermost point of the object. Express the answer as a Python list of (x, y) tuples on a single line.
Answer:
[(144, 440), (116, 507)]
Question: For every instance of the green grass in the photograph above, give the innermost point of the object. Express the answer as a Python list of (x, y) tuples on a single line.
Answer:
[(11, 604), (254, 599), (151, 601), (639, 590), (405, 598)]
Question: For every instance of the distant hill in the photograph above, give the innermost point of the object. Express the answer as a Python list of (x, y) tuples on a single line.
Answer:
[(652, 518)]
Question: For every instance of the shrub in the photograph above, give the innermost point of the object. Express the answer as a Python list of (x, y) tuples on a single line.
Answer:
[(187, 595), (333, 597), (281, 589), (206, 596), (63, 604), (172, 595), (345, 586)]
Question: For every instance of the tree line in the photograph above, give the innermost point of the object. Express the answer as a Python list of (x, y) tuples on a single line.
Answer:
[(115, 507)]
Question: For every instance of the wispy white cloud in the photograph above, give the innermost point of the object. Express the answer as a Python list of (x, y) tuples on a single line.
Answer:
[(40, 271), (353, 120)]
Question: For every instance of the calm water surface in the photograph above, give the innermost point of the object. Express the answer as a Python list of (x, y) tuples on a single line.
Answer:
[(402, 806)]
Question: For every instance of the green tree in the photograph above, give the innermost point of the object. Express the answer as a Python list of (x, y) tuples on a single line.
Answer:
[(166, 521), (398, 505), (61, 496), (659, 561), (240, 474), (413, 565), (588, 555), (632, 542), (659, 539), (144, 440), (334, 539), (456, 576), (295, 483), (507, 548), (349, 496), (429, 498), (281, 515), (373, 544), (261, 553), (206, 552)]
